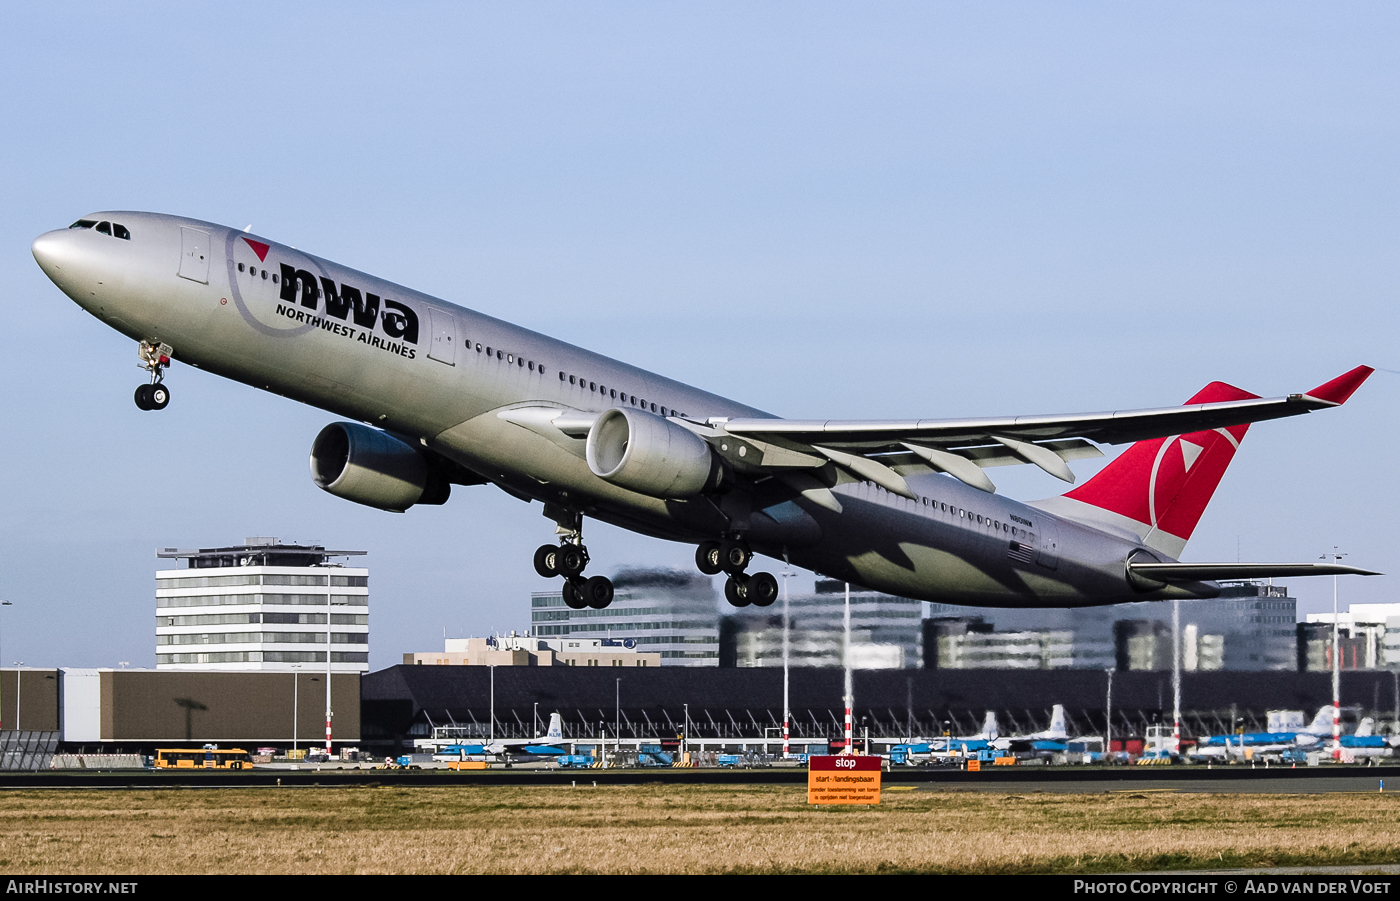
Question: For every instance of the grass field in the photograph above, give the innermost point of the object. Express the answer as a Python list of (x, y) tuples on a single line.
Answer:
[(677, 829)]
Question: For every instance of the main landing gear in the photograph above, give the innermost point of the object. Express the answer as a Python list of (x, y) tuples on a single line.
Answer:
[(155, 358), (568, 559), (733, 556)]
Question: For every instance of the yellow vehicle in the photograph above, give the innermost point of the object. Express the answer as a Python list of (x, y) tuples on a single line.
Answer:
[(201, 758)]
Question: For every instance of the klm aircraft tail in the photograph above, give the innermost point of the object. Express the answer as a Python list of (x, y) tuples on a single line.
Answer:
[(556, 728)]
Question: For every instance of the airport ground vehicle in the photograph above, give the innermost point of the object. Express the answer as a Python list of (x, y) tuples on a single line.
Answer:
[(197, 758)]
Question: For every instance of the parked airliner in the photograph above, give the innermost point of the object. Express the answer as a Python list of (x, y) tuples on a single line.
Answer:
[(441, 395)]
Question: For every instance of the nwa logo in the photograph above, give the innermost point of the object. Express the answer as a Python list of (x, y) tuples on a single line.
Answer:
[(348, 303)]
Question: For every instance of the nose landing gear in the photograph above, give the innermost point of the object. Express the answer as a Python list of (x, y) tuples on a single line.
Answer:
[(155, 358)]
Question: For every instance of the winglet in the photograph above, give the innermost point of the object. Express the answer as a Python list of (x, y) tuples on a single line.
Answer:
[(1343, 386)]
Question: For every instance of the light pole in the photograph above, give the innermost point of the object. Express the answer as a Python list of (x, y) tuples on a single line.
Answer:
[(1108, 719), (617, 714), (2, 718), (296, 677), (1334, 556), (1176, 676), (328, 565), (19, 683), (787, 626), (1395, 677)]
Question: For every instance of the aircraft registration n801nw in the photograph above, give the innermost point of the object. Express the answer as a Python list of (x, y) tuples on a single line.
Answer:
[(441, 395)]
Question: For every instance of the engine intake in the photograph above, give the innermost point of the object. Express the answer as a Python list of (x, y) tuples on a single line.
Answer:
[(651, 455), (370, 467)]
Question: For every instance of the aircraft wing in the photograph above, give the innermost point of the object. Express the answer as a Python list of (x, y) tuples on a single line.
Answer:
[(1219, 572), (883, 451)]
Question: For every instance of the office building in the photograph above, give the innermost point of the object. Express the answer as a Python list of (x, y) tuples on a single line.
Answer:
[(262, 606), (885, 630), (667, 612)]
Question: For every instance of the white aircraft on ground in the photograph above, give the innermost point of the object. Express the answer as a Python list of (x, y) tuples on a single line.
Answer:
[(548, 745), (441, 395)]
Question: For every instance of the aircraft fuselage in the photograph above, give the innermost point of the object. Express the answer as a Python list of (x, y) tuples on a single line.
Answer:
[(446, 378)]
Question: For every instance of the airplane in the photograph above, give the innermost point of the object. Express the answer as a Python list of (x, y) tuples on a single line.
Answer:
[(1053, 738), (441, 395), (548, 745), (1269, 742)]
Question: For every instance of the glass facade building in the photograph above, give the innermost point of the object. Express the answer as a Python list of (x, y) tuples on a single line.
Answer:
[(668, 612)]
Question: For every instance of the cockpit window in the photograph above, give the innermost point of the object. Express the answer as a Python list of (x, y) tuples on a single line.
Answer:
[(115, 229)]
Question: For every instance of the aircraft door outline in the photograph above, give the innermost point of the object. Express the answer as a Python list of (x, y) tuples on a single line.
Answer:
[(194, 254)]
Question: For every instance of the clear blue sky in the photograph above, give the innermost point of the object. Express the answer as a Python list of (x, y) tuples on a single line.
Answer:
[(827, 210)]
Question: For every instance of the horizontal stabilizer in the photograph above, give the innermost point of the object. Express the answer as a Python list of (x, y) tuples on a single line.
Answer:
[(1222, 572)]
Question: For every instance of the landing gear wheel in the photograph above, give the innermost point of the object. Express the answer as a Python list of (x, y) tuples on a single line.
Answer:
[(158, 396), (598, 592), (735, 556), (571, 559), (709, 558), (547, 560), (573, 594), (736, 591), (143, 396), (762, 589)]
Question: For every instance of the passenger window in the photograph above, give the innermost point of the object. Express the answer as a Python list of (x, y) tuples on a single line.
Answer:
[(532, 365), (510, 358), (571, 380), (500, 354), (264, 275), (592, 386), (104, 227), (488, 351), (653, 408), (478, 347), (612, 393), (520, 361), (121, 232), (240, 267)]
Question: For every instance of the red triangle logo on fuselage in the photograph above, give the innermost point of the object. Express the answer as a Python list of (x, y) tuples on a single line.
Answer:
[(259, 248)]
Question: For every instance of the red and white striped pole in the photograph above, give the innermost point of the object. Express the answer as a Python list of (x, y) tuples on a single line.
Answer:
[(850, 691)]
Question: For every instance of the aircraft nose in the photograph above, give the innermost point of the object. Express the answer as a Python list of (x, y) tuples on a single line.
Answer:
[(52, 251)]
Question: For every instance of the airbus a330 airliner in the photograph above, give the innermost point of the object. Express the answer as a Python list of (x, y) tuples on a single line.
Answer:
[(441, 395)]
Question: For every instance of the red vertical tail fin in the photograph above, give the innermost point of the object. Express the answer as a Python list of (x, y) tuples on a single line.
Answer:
[(1160, 487)]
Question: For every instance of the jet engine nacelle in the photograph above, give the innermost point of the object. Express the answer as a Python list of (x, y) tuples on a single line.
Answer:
[(374, 468), (650, 455)]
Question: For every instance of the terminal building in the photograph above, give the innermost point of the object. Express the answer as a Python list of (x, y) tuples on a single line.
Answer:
[(527, 650), (262, 606), (1250, 627)]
